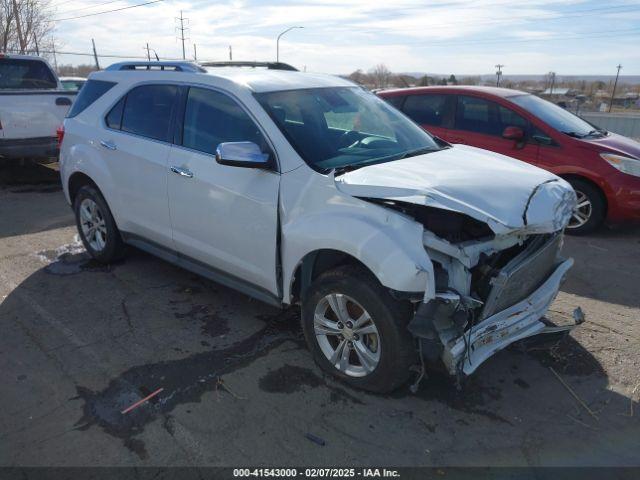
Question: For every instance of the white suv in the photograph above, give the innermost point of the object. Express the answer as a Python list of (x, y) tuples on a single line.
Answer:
[(298, 188)]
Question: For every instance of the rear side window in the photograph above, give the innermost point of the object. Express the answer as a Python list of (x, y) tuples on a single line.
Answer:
[(114, 118), (212, 118), (20, 74), (91, 92), (426, 109), (148, 110)]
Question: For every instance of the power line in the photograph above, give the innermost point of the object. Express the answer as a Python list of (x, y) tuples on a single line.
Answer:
[(107, 11), (89, 7)]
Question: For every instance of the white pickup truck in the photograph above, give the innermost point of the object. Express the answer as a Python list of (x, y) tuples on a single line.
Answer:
[(33, 105)]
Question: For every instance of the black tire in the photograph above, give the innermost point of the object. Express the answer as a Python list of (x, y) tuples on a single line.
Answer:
[(398, 348), (598, 208), (114, 247)]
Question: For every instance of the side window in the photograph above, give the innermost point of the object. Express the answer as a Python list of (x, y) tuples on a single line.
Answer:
[(91, 92), (477, 115), (148, 110), (212, 118), (509, 118), (396, 100), (426, 109), (114, 117)]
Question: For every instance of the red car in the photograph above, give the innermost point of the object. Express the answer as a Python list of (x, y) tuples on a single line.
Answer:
[(602, 167)]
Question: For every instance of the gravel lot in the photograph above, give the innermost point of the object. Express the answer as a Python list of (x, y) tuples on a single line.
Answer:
[(81, 341)]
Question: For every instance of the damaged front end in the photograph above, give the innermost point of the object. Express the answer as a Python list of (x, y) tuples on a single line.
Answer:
[(491, 298), (491, 289), (493, 238)]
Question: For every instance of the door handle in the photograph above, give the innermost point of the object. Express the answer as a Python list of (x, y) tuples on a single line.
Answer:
[(183, 172), (108, 145)]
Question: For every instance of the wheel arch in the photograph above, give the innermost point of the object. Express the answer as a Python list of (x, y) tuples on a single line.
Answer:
[(78, 180), (574, 176)]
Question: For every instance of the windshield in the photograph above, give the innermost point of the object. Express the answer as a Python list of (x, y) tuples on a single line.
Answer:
[(555, 116), (21, 74), (344, 127)]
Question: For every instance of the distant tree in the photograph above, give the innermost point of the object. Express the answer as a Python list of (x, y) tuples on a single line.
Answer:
[(442, 81), (452, 80), (380, 75), (473, 80), (426, 80), (32, 34), (75, 71), (358, 77)]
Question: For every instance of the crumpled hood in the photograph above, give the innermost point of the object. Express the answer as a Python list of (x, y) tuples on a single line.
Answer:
[(505, 193)]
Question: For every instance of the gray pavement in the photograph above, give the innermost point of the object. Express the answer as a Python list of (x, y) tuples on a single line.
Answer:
[(80, 342)]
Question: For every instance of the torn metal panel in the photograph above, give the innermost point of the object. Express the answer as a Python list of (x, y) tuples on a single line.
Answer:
[(501, 329)]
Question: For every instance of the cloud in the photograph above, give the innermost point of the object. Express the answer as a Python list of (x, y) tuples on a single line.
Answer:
[(459, 36)]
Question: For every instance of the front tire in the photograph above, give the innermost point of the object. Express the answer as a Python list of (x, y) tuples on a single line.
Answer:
[(357, 331), (590, 212), (96, 226)]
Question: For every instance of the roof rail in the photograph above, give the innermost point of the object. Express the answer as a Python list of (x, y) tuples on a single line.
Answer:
[(163, 66), (267, 65)]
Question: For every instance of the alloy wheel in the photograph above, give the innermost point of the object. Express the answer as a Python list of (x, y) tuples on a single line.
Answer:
[(582, 212), (347, 335), (93, 224)]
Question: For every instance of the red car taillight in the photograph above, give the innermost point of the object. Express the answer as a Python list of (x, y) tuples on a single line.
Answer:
[(60, 134)]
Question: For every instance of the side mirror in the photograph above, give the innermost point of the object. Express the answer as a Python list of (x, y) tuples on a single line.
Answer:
[(242, 154), (513, 133)]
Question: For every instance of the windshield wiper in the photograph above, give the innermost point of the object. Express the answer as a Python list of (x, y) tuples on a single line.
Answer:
[(416, 152), (355, 166), (597, 131), (574, 134)]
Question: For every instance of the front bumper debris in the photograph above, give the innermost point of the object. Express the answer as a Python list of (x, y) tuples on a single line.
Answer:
[(440, 325), (519, 321)]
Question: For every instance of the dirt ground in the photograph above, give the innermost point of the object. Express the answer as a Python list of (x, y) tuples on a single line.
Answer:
[(81, 341)]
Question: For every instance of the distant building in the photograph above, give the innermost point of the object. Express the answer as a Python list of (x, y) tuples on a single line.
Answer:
[(560, 92)]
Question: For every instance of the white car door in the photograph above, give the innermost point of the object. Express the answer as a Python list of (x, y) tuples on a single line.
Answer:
[(223, 216), (135, 146)]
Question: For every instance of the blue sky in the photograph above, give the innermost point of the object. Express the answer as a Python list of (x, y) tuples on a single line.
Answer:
[(340, 36)]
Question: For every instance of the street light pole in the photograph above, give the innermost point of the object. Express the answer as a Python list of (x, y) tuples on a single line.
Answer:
[(278, 42)]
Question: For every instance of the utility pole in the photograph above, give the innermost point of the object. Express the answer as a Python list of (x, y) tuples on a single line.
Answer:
[(55, 59), (95, 54), (230, 54), (614, 87), (21, 40), (195, 53), (182, 29), (498, 73), (552, 76), (148, 52)]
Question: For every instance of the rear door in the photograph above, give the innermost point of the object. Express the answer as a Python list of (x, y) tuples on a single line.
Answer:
[(135, 145), (480, 122), (31, 106), (432, 111), (223, 216)]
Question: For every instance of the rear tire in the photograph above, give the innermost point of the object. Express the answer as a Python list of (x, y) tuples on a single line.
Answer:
[(379, 348), (591, 209), (96, 226)]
